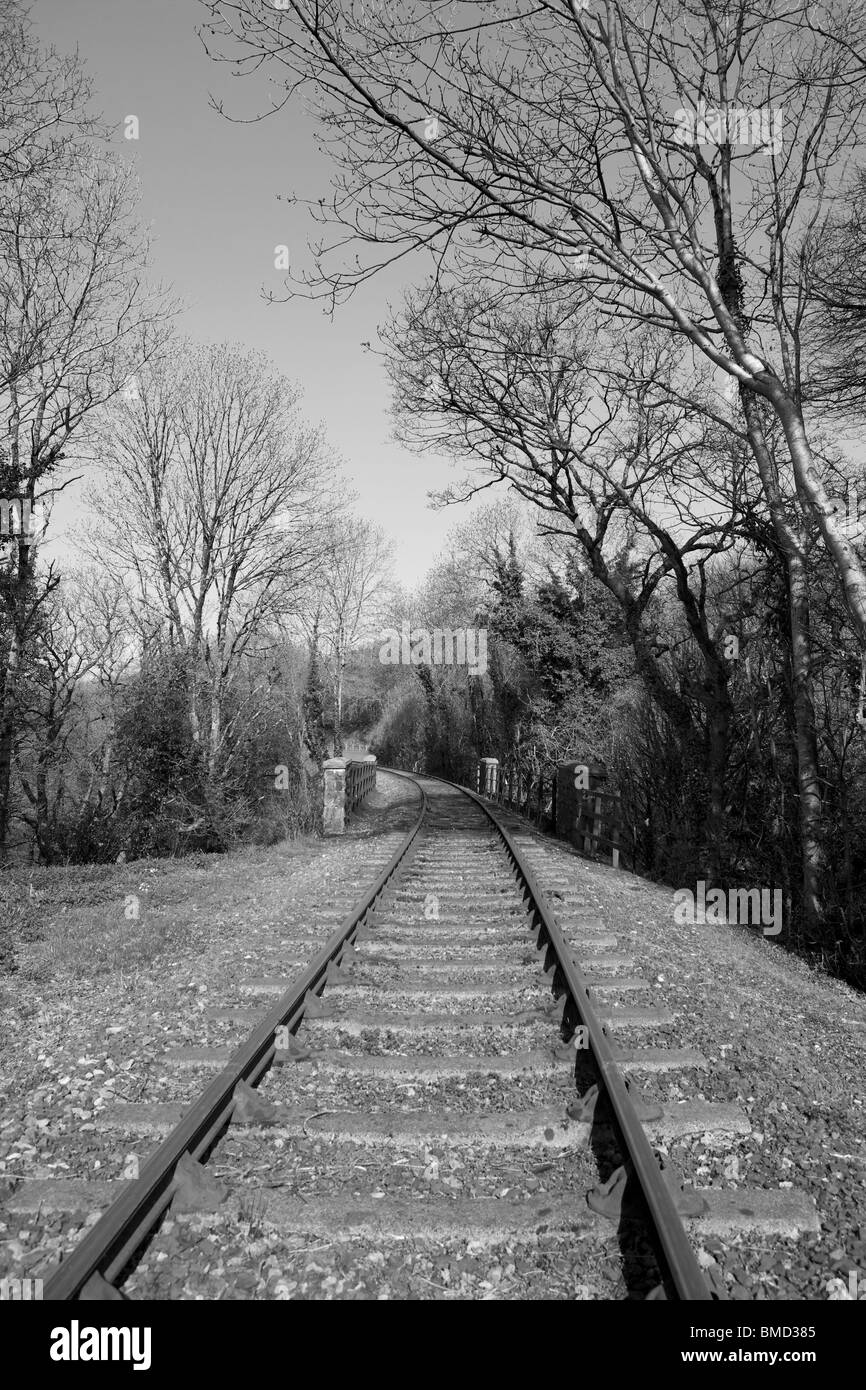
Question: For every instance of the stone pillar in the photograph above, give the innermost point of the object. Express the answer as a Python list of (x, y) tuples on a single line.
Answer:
[(334, 817), (488, 776)]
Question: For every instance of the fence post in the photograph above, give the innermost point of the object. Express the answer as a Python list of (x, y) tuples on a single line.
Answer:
[(596, 824)]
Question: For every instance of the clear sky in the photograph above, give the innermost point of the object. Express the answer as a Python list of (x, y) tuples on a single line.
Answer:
[(209, 192)]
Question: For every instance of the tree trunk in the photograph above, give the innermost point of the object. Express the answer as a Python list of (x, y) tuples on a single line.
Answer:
[(44, 837), (15, 604), (338, 705), (809, 484), (791, 543), (808, 776), (718, 743), (7, 734), (215, 730)]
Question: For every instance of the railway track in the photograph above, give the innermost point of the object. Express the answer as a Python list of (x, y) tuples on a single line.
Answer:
[(443, 1079)]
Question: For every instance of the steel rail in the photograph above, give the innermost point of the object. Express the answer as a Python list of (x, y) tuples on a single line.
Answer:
[(686, 1274), (107, 1248)]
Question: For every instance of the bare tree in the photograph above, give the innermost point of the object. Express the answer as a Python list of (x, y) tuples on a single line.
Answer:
[(836, 267), (43, 100), (75, 317), (84, 651), (112, 640), (353, 583), (603, 141), (621, 448), (217, 494)]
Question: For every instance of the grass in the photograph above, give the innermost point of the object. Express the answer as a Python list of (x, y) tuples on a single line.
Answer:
[(87, 921)]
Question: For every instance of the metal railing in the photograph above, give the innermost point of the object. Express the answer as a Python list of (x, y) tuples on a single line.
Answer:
[(360, 781), (532, 796)]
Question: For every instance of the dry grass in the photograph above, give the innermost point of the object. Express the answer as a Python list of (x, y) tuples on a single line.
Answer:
[(89, 921)]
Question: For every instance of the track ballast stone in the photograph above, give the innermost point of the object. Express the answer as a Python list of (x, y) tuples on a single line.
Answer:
[(424, 1147)]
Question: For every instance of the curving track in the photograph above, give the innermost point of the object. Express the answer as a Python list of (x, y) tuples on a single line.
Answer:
[(441, 1073)]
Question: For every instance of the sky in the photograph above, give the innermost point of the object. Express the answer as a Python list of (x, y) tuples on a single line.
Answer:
[(209, 195)]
